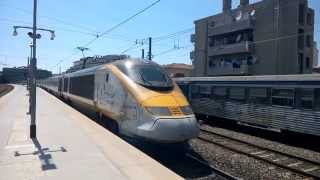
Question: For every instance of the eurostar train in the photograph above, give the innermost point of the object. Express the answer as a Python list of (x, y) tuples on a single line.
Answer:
[(137, 97), (282, 103)]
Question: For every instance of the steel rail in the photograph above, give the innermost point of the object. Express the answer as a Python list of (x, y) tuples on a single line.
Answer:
[(276, 163), (216, 170)]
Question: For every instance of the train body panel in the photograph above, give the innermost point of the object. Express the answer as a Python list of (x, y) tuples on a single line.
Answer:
[(277, 102), (143, 106)]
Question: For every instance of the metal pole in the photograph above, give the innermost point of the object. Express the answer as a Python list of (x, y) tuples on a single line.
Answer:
[(28, 72), (29, 78), (150, 48), (142, 51), (33, 133)]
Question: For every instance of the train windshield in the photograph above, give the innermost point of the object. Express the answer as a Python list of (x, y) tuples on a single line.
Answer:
[(150, 75)]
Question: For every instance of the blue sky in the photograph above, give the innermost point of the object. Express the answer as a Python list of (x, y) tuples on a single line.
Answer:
[(76, 21)]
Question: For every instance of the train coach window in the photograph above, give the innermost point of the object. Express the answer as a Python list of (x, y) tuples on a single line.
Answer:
[(65, 84), (238, 94), (82, 86), (283, 97), (60, 84), (305, 98), (185, 89), (107, 77), (259, 95), (205, 91), (317, 99), (195, 91), (220, 92)]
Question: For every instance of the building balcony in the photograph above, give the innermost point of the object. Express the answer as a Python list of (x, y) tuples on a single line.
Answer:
[(229, 71), (242, 47), (232, 27)]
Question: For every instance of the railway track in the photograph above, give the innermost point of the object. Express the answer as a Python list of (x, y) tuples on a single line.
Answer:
[(299, 165), (219, 172), (4, 89)]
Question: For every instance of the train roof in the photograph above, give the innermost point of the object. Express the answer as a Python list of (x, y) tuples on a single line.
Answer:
[(301, 77), (135, 62), (92, 70)]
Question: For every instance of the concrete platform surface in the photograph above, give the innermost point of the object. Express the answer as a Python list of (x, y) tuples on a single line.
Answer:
[(69, 145)]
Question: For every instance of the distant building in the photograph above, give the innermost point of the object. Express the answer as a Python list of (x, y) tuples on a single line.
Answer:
[(178, 70), (315, 55), (88, 62), (19, 74), (270, 37), (1, 79)]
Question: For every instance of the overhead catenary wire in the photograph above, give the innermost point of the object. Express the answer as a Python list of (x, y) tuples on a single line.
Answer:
[(121, 23), (171, 50), (173, 35), (113, 28), (78, 26), (134, 46)]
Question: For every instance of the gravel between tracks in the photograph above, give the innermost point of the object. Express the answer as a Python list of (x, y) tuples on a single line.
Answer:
[(243, 166), (305, 153)]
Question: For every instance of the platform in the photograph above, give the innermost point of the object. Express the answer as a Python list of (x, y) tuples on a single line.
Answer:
[(69, 145)]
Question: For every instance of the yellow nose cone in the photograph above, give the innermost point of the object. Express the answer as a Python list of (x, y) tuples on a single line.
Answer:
[(171, 100)]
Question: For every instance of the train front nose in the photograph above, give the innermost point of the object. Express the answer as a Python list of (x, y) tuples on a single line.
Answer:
[(171, 130)]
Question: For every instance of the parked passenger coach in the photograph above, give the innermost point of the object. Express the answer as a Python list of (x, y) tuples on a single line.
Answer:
[(138, 95), (285, 102)]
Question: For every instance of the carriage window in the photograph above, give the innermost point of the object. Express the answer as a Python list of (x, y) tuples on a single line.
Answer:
[(317, 99), (283, 97), (238, 94), (82, 86), (205, 91), (305, 98), (195, 91), (219, 92), (185, 89), (65, 84), (107, 77), (60, 84), (259, 95)]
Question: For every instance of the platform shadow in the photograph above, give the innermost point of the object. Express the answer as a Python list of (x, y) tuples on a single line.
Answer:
[(44, 155)]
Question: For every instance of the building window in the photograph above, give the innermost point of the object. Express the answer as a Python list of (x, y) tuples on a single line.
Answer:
[(307, 62), (211, 41), (236, 64), (300, 38), (300, 63), (212, 64), (308, 41), (212, 24), (301, 14), (309, 19)]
